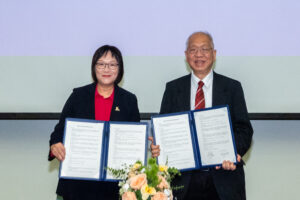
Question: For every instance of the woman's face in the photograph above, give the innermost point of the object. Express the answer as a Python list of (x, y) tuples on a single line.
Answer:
[(107, 69)]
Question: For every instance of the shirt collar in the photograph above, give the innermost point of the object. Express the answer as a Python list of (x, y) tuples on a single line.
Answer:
[(207, 79), (97, 95)]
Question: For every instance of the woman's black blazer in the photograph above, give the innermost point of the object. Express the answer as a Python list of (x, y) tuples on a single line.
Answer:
[(81, 104)]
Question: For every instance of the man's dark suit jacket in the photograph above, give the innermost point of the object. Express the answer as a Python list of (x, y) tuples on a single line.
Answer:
[(229, 184), (81, 104)]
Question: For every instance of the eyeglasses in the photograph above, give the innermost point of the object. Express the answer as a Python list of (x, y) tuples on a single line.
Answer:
[(203, 50), (111, 66)]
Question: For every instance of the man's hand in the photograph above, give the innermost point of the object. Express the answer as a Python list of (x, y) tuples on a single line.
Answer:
[(58, 150), (155, 150), (227, 165)]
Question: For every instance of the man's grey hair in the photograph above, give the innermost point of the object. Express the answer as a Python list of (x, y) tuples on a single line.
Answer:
[(203, 33)]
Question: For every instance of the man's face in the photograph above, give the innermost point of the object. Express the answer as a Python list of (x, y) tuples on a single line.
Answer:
[(200, 54)]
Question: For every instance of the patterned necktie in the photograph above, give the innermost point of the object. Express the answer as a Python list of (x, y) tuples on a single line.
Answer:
[(200, 101)]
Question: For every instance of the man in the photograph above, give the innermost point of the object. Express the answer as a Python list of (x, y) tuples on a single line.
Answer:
[(204, 88)]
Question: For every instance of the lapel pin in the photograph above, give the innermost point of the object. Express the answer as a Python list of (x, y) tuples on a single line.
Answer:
[(117, 108)]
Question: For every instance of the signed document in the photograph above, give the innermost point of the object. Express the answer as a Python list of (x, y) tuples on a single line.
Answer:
[(173, 134), (214, 136), (83, 144), (127, 144), (92, 146), (195, 139)]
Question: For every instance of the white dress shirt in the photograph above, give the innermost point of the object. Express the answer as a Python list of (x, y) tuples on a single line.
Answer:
[(207, 89)]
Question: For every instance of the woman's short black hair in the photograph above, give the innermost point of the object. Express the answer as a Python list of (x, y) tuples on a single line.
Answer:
[(116, 53)]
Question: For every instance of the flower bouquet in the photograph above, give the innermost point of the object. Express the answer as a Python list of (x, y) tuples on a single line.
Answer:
[(151, 182)]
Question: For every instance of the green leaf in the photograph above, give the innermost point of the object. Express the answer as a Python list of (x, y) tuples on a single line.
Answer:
[(138, 195), (151, 171)]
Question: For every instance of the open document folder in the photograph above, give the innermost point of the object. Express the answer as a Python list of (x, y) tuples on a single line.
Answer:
[(195, 139), (92, 145)]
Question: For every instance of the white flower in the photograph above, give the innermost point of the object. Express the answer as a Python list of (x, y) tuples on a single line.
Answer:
[(167, 192), (121, 183), (143, 170), (126, 187)]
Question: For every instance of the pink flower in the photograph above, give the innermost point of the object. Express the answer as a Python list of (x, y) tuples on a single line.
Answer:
[(163, 183), (129, 196), (159, 196), (138, 181)]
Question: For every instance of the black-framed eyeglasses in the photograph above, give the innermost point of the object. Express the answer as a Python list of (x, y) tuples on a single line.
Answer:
[(203, 50), (102, 65)]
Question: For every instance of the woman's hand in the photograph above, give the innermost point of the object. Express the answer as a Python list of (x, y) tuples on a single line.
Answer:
[(58, 150), (155, 150)]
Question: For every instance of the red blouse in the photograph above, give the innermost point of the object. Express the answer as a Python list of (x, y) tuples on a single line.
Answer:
[(103, 106)]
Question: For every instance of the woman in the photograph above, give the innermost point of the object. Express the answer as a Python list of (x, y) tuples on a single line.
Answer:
[(102, 100)]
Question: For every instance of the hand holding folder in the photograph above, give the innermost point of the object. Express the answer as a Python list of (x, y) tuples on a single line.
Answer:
[(92, 146), (196, 139)]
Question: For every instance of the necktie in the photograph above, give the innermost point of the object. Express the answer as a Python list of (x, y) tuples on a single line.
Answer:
[(200, 101)]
